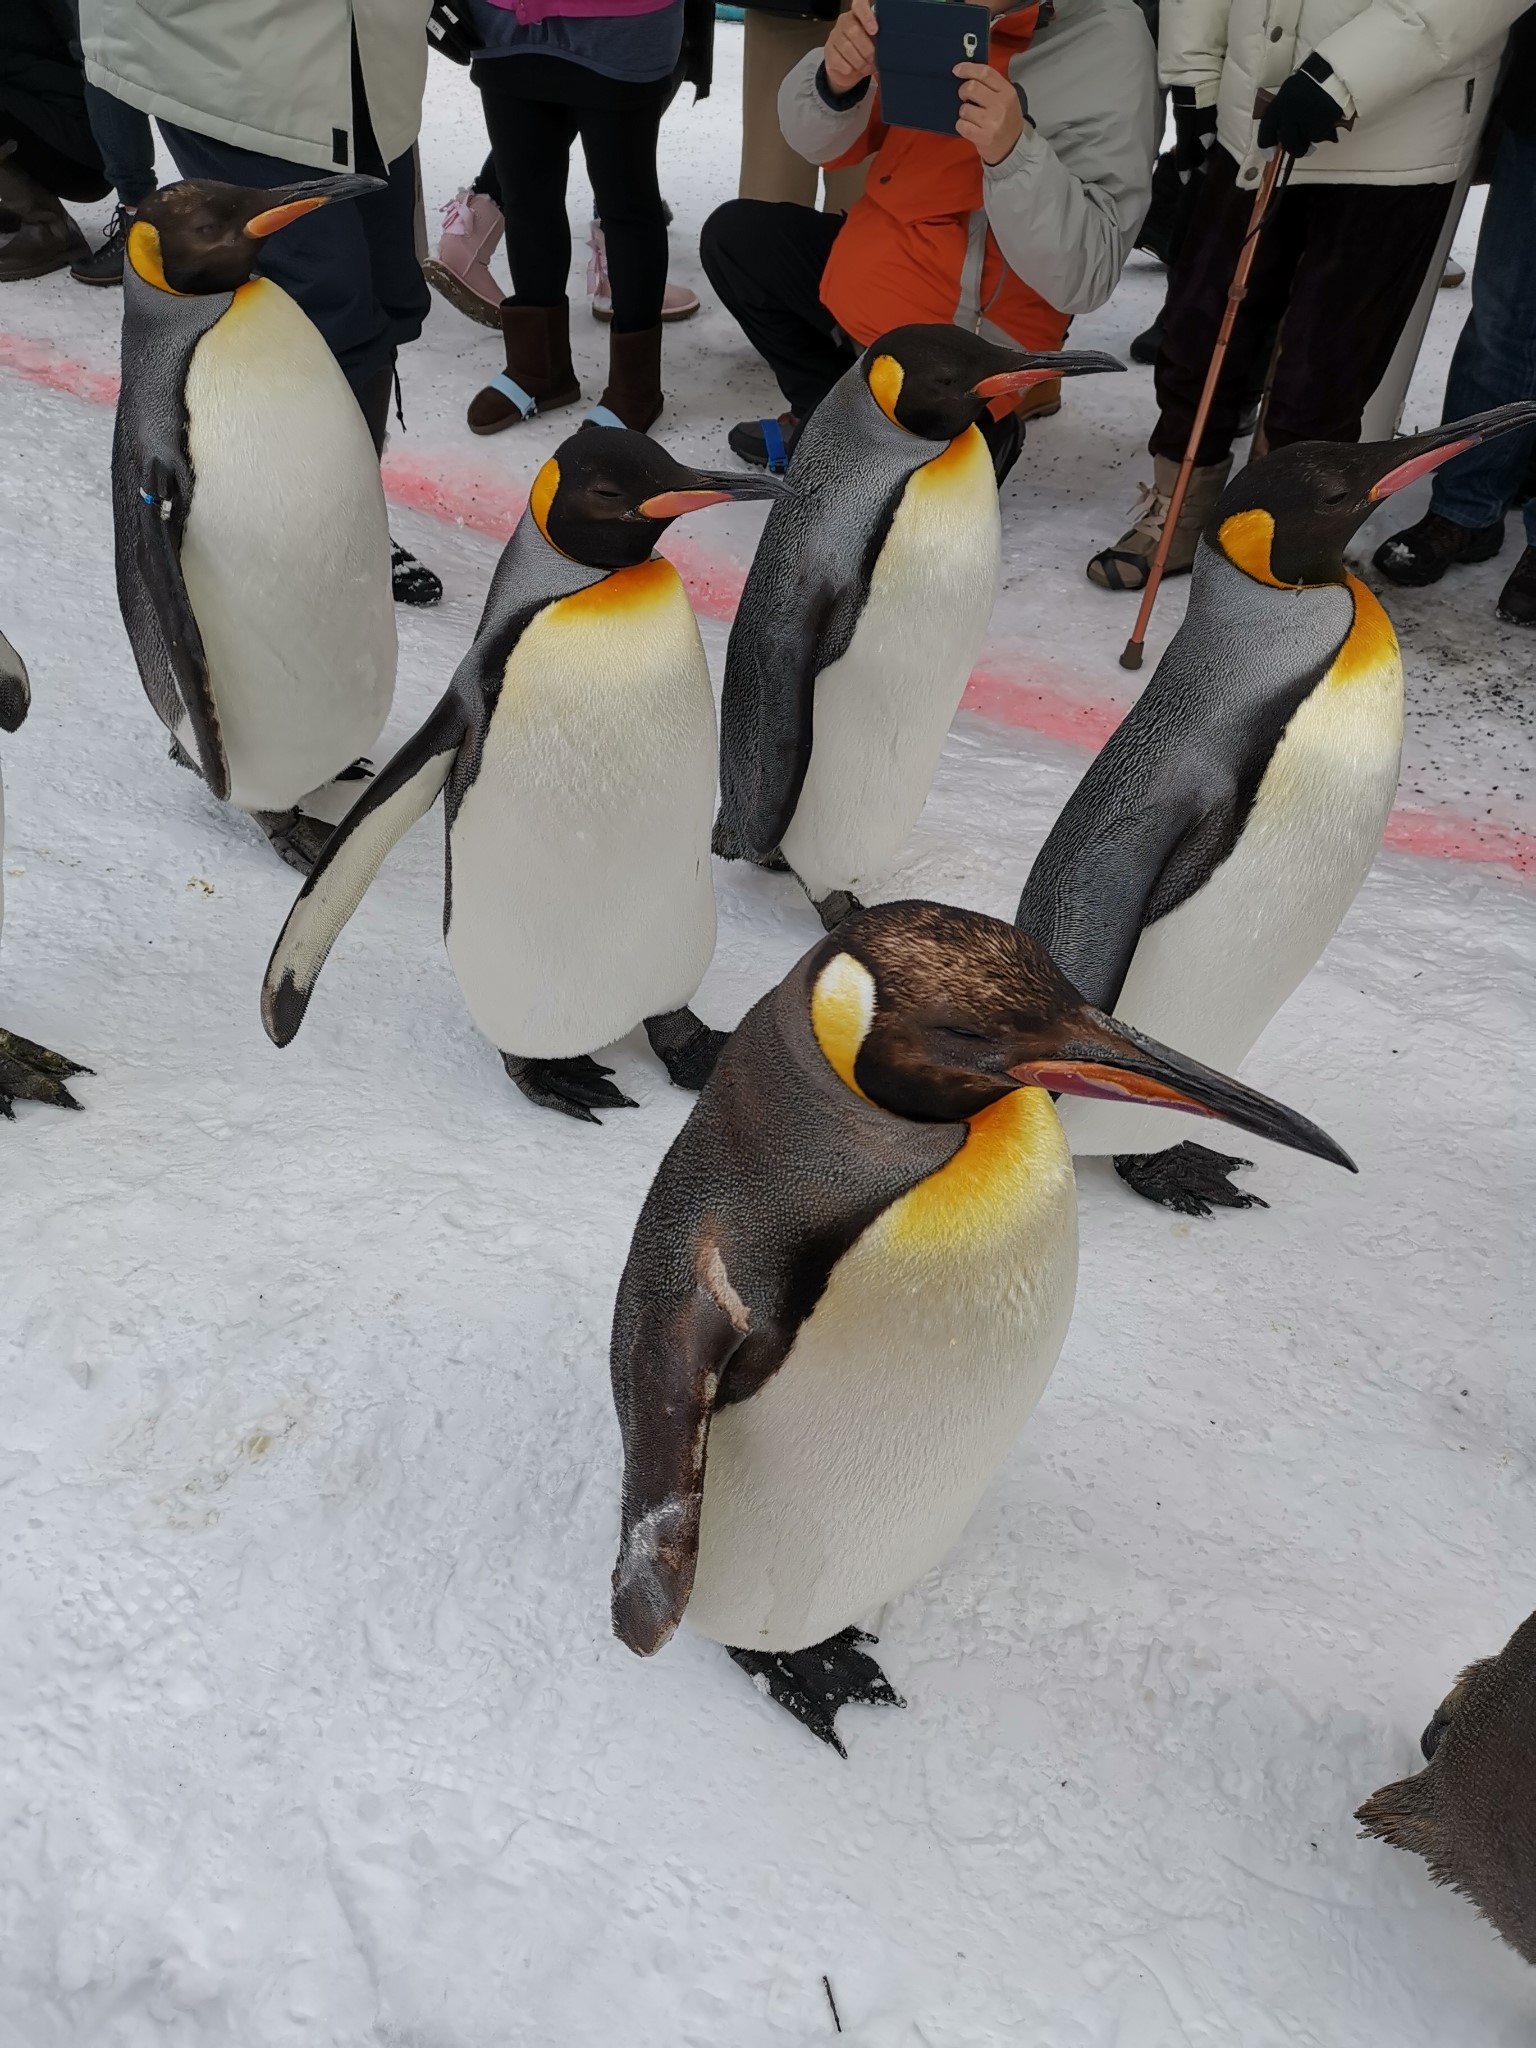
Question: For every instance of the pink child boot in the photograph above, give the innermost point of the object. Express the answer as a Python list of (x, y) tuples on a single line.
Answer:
[(678, 303), (460, 271)]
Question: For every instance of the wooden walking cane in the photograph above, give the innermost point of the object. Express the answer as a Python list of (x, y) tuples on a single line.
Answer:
[(1276, 171)]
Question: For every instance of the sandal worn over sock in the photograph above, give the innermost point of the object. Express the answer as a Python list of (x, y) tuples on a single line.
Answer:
[(1128, 564), (538, 376)]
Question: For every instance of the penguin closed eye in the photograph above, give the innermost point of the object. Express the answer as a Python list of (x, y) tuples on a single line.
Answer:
[(850, 1282), (1209, 854), (576, 746), (1471, 1813), (865, 609)]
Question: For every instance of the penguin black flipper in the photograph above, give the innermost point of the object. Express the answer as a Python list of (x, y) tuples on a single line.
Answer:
[(163, 500), (732, 1252), (393, 801), (1091, 891), (766, 708)]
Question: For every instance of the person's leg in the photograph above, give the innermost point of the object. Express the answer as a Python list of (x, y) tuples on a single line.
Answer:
[(770, 169), (620, 149), (1197, 302), (531, 144), (39, 236), (766, 263), (1495, 359), (127, 145), (1364, 253)]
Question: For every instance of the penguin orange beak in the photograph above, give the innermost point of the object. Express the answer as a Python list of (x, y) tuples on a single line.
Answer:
[(1100, 1057), (709, 489), (294, 201), (1444, 444), (1036, 368)]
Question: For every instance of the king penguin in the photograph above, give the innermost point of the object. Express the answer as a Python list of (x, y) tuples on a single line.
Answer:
[(1208, 855), (577, 745), (865, 609), (850, 1281), (253, 555), (28, 1072)]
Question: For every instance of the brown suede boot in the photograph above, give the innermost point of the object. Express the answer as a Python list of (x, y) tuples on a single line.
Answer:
[(1128, 564), (538, 376), (632, 395), (42, 237)]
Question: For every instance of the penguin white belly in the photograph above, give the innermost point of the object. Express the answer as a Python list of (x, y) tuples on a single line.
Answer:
[(582, 897), (1208, 977), (881, 712), (855, 1467), (285, 552)]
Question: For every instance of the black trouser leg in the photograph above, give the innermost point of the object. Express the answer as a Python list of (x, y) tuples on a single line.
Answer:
[(766, 260), (1363, 261), (620, 149), (1197, 301), (531, 143)]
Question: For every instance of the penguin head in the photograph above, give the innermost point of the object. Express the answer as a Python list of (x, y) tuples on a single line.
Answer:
[(200, 237), (935, 1013), (1287, 518), (606, 496), (935, 381)]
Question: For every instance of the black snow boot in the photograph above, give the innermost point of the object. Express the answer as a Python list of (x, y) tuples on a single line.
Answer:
[(1421, 554), (1517, 600)]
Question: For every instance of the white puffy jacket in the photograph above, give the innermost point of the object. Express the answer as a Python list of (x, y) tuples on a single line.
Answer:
[(275, 77), (1416, 74)]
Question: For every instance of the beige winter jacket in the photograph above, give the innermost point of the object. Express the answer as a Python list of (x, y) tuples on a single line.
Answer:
[(275, 77), (1416, 74)]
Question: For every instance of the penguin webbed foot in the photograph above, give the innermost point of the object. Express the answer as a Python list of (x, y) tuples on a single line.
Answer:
[(835, 906), (1189, 1178), (31, 1073), (686, 1046), (813, 1683), (296, 838), (575, 1087)]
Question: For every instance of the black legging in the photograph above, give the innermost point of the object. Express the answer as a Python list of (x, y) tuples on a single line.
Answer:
[(531, 142)]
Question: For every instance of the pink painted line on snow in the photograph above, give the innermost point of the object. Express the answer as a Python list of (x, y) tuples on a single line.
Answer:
[(1033, 695)]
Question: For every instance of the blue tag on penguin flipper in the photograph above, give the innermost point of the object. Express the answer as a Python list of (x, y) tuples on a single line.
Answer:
[(916, 51)]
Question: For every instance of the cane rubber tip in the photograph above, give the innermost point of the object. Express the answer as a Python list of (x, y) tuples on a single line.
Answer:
[(1131, 656)]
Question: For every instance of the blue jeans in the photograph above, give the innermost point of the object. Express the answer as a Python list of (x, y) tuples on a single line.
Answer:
[(127, 144), (352, 268), (1495, 359)]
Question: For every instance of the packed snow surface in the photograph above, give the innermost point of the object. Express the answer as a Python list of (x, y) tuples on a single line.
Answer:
[(312, 1730)]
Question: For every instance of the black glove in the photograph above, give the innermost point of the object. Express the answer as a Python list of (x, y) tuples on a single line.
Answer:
[(1194, 130), (1303, 112)]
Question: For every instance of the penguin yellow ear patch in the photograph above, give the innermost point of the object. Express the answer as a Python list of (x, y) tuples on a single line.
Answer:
[(1246, 540), (542, 496), (144, 255), (885, 381), (842, 1010)]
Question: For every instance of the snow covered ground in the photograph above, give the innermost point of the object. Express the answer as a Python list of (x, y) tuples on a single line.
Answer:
[(313, 1729)]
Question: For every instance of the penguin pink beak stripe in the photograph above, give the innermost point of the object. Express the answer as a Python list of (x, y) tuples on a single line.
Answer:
[(1409, 472), (673, 504), (1011, 380)]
